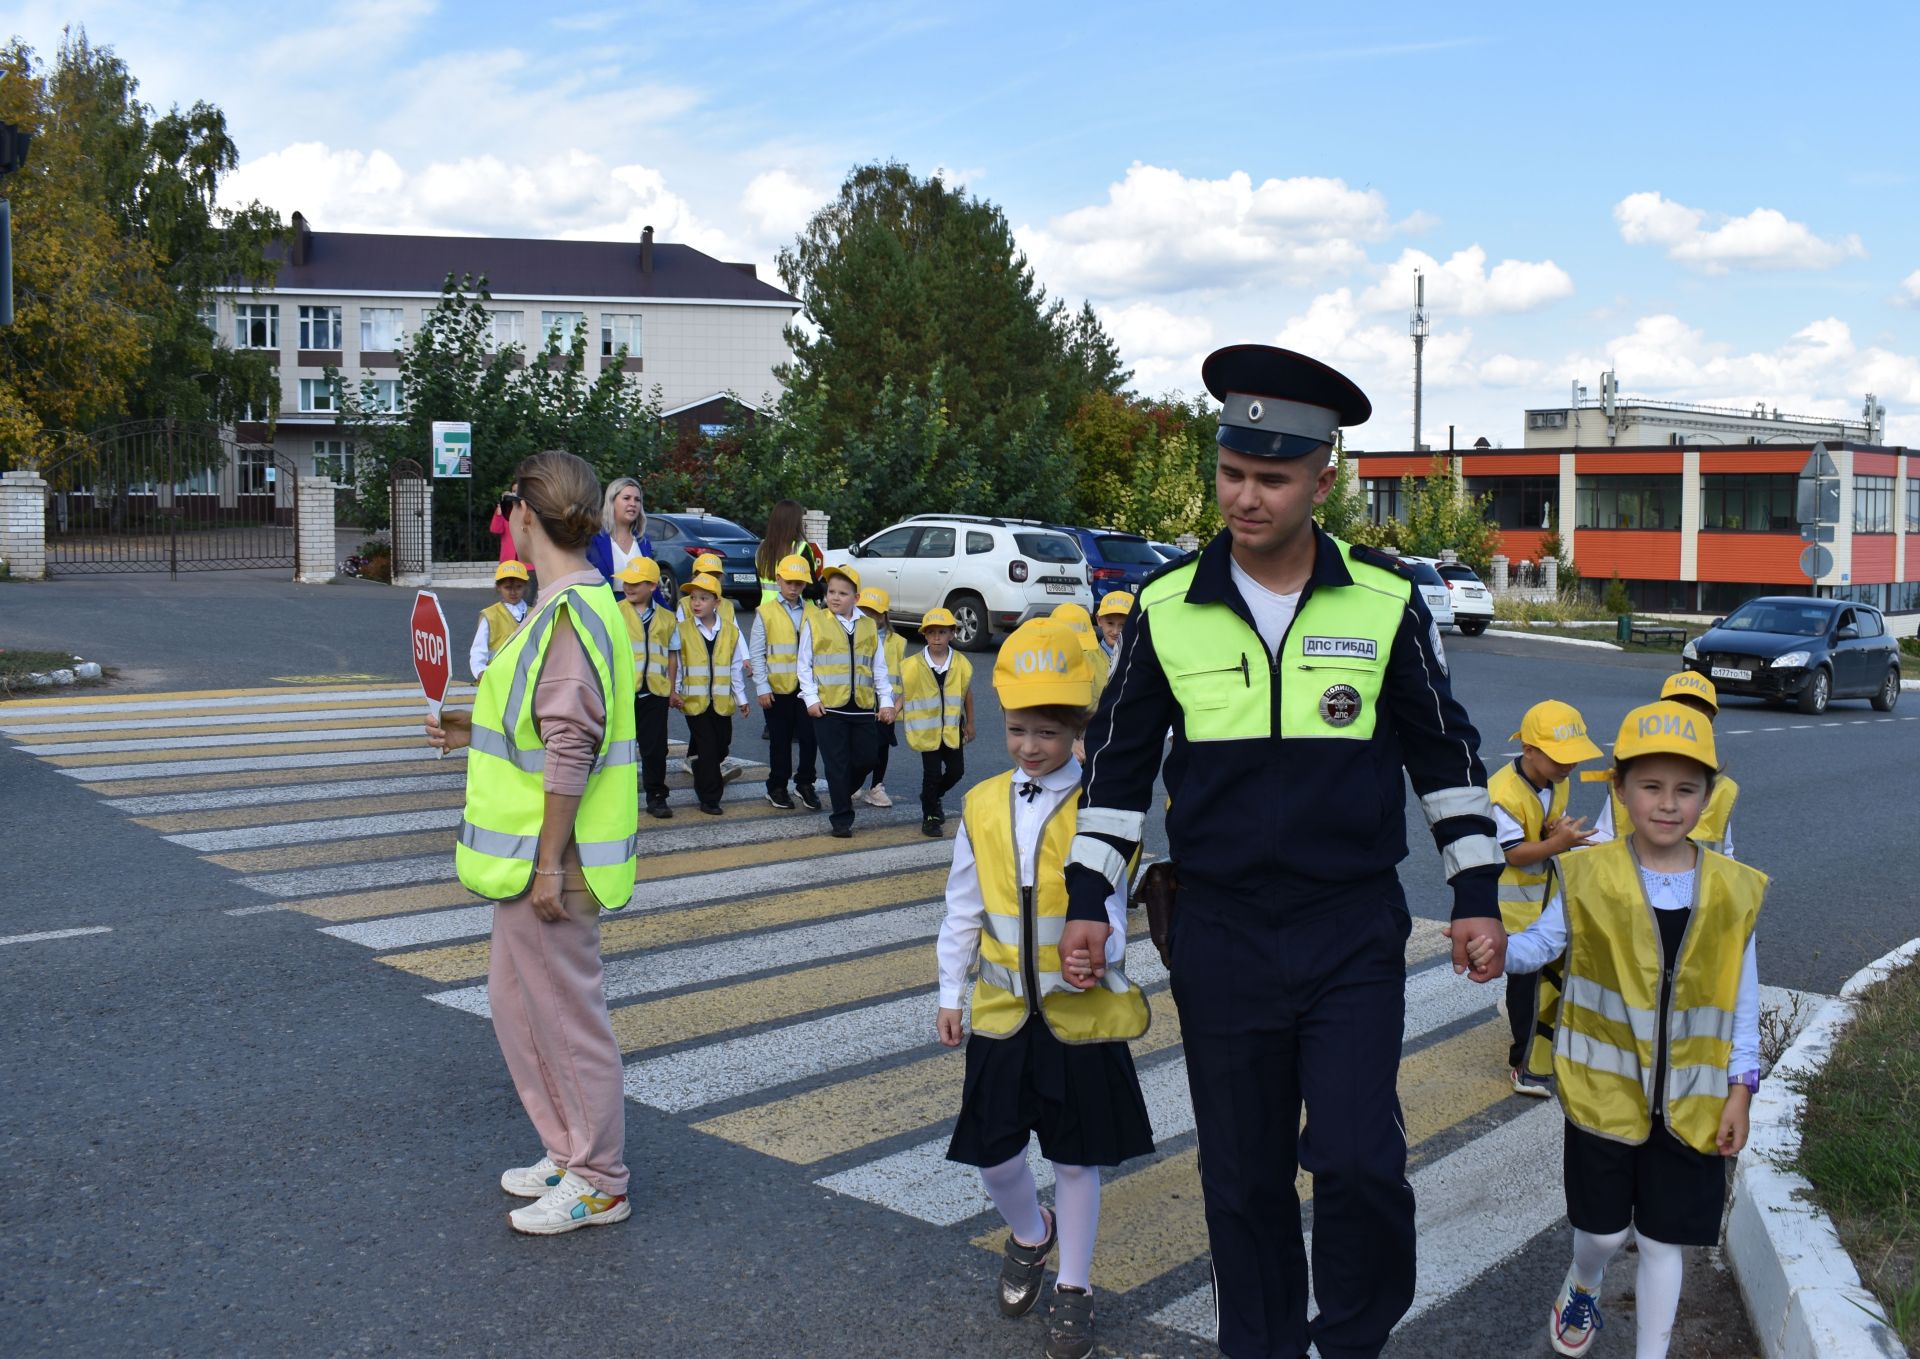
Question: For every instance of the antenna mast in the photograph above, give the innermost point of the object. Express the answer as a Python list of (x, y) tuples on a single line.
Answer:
[(1417, 327)]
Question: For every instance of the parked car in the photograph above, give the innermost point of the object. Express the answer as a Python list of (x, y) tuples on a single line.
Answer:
[(1172, 552), (1116, 560), (994, 574), (1467, 595), (1796, 648), (679, 538), (1432, 589)]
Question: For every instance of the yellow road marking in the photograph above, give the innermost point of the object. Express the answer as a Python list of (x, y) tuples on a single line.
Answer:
[(368, 849), (412, 722), (688, 862), (395, 742), (273, 778), (426, 896), (621, 934), (836, 1119), (700, 1014)]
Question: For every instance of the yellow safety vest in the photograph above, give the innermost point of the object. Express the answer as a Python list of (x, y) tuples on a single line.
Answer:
[(652, 642), (1020, 933), (896, 649), (783, 645), (1711, 833), (500, 625), (1603, 1052), (843, 664), (706, 672), (1523, 891), (930, 711), (506, 797)]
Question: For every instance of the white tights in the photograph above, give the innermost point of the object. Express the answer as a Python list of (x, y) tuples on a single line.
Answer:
[(1076, 1200), (1656, 1284)]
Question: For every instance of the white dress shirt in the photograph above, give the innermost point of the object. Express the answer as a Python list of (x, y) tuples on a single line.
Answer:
[(480, 654), (882, 681), (967, 908), (736, 670)]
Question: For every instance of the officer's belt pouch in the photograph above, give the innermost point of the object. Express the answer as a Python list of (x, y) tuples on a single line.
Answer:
[(1158, 890)]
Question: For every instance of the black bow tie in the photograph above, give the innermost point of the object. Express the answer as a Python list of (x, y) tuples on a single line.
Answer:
[(1029, 790)]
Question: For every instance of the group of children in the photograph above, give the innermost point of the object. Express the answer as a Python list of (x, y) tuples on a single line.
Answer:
[(1632, 988)]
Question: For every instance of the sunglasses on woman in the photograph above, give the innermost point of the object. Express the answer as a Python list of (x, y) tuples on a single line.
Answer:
[(508, 503)]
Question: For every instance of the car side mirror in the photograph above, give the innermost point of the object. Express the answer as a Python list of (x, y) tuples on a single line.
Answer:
[(1716, 622), (1846, 633)]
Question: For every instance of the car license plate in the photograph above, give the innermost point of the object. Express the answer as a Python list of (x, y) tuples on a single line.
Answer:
[(1728, 672), (1061, 587), (744, 578)]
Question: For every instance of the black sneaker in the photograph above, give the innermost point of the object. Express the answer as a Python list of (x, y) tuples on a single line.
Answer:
[(781, 800), (712, 808), (1022, 1272), (842, 832), (1070, 1324), (660, 810), (808, 798), (931, 827)]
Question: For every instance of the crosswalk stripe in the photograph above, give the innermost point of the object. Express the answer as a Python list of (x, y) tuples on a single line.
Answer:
[(154, 738), (367, 851), (178, 824), (387, 901), (228, 795), (618, 934), (228, 698), (647, 973), (319, 744), (818, 1125), (265, 719), (310, 832), (414, 754), (310, 882), (235, 788)]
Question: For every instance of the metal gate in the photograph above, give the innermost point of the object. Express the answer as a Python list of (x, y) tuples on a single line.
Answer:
[(164, 495), (410, 510)]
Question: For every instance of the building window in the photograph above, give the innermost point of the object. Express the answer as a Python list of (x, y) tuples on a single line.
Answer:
[(316, 394), (382, 394), (333, 459), (1518, 502), (1748, 503), (617, 333), (503, 330), (1913, 503), (1904, 598), (1875, 595), (1722, 597), (1626, 502), (256, 471), (256, 325), (1545, 420), (209, 314), (381, 328), (557, 328), (1383, 499), (1873, 504), (252, 414), (319, 327)]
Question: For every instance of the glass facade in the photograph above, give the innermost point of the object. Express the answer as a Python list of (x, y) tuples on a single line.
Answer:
[(1518, 502), (1748, 503), (1627, 502)]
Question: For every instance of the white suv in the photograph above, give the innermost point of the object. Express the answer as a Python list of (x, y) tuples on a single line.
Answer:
[(1468, 597), (994, 574)]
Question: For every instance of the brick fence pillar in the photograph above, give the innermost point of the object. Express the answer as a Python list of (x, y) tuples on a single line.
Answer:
[(1550, 575), (1499, 572), (23, 524), (313, 562), (813, 527)]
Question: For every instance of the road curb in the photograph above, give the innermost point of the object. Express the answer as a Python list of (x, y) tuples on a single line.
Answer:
[(1544, 637), (1800, 1285)]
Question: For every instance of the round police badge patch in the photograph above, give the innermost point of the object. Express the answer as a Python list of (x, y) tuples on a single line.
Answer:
[(1340, 705)]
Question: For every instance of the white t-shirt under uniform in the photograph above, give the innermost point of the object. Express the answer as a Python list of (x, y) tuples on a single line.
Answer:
[(1272, 613)]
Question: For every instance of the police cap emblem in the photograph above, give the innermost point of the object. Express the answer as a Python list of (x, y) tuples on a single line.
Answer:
[(1340, 705)]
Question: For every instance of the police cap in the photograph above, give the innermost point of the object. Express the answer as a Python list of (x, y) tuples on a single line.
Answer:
[(1279, 404)]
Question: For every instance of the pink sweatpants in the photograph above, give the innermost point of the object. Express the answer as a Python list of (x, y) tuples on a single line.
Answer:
[(550, 1016)]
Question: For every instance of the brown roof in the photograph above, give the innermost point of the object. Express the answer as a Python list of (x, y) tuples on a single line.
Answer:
[(343, 261)]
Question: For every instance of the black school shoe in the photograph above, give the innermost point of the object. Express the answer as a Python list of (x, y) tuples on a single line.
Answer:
[(712, 808), (841, 832), (660, 810), (808, 798), (1070, 1324), (932, 827), (781, 800), (1023, 1271)]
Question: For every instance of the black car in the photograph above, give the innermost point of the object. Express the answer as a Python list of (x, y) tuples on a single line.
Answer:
[(1791, 648), (678, 538)]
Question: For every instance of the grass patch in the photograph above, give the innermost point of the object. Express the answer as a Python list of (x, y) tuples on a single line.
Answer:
[(1860, 1144), (1560, 610), (15, 666)]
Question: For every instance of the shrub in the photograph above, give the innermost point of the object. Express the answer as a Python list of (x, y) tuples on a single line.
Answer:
[(1616, 600)]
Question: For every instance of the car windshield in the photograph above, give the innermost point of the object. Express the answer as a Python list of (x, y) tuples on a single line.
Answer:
[(722, 531), (1048, 547), (1792, 620), (1132, 551), (1454, 571), (1423, 573)]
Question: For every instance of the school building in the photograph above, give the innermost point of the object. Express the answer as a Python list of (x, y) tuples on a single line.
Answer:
[(1694, 506)]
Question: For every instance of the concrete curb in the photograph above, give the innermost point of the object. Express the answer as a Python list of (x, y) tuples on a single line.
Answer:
[(1801, 1288), (1563, 641)]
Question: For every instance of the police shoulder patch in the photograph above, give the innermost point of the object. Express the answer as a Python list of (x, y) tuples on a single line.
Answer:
[(1373, 556)]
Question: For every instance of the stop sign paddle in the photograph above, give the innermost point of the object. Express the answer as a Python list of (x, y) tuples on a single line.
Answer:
[(431, 658)]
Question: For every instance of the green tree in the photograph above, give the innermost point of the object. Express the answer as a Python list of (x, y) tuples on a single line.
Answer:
[(1441, 515)]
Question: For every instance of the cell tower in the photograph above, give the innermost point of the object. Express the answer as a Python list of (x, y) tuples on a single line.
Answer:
[(1417, 327)]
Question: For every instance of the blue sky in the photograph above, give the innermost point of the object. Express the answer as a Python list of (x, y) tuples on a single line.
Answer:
[(1719, 201)]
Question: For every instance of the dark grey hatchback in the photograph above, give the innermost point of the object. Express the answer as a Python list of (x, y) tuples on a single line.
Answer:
[(1790, 648)]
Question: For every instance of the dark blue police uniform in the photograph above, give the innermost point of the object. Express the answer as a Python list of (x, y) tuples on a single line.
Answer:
[(1288, 959)]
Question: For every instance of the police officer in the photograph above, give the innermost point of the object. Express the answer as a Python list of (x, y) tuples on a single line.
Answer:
[(1299, 677)]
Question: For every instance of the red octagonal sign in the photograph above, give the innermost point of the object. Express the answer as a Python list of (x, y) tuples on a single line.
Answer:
[(431, 650)]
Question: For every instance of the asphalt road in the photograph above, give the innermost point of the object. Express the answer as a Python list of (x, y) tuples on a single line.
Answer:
[(232, 1134)]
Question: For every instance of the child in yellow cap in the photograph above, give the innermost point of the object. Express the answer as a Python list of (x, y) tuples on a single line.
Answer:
[(874, 603), (1048, 1053), (655, 635), (712, 687), (1111, 617), (1664, 1000), (1715, 830), (848, 690), (775, 659), (936, 708), (1531, 822), (1077, 618), (499, 619)]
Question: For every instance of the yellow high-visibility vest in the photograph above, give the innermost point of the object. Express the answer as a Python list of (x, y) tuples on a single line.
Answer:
[(783, 644), (843, 663), (932, 713), (652, 642), (1523, 891), (706, 672), (500, 625)]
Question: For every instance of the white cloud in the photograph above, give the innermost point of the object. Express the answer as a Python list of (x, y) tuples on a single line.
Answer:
[(779, 203), (1463, 286), (1161, 232), (1909, 292), (1763, 239), (1164, 348), (351, 32)]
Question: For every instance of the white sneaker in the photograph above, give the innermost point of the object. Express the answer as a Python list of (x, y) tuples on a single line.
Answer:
[(1574, 1319), (877, 796), (569, 1204), (532, 1182)]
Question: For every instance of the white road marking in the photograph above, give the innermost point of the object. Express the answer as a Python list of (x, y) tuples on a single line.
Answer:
[(54, 934), (308, 832), (260, 910), (292, 699), (414, 709), (231, 738), (325, 759)]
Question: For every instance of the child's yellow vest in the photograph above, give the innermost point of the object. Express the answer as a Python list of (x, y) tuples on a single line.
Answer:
[(706, 672), (842, 664), (652, 643), (783, 645), (1523, 891), (931, 712), (500, 625)]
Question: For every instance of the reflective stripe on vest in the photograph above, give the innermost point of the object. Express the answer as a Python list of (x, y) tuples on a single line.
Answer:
[(1217, 667), (843, 661), (931, 712), (1604, 1056), (1523, 890), (1004, 995), (652, 643), (783, 645), (1710, 833), (506, 799), (706, 671)]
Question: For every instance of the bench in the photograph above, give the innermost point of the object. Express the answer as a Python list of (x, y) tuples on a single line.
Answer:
[(1650, 632)]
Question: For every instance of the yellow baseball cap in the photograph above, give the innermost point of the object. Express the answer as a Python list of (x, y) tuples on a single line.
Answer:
[(938, 618), (852, 576), (1042, 664), (1073, 616), (509, 571), (873, 597), (1687, 684), (794, 568), (708, 563), (1116, 601), (706, 580), (639, 571), (1666, 729), (1557, 729)]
